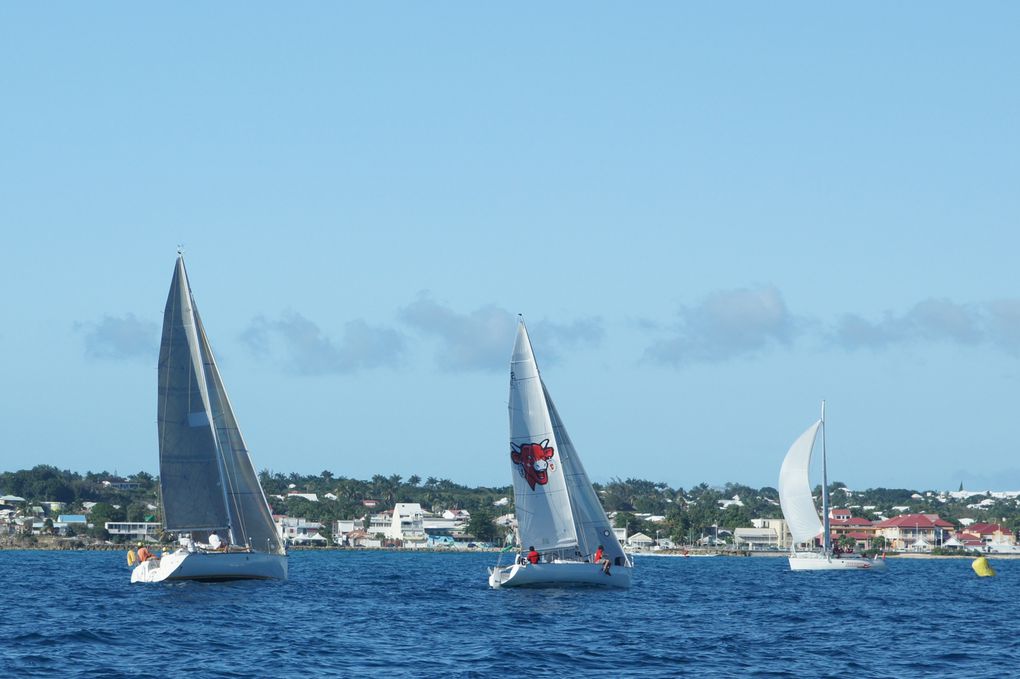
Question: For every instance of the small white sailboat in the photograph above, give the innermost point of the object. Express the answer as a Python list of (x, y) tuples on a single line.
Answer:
[(799, 509), (210, 494), (558, 513)]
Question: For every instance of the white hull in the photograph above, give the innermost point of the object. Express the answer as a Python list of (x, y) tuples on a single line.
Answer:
[(816, 561), (560, 573), (212, 566)]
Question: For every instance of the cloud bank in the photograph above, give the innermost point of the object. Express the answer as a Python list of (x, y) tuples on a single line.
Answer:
[(124, 337), (746, 322), (303, 348), (726, 325), (482, 339)]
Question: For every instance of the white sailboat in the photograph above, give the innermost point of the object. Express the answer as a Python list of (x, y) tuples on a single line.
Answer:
[(557, 510), (799, 509), (211, 496)]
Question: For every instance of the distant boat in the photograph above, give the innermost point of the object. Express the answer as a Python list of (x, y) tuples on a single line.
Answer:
[(210, 494), (799, 509), (557, 510)]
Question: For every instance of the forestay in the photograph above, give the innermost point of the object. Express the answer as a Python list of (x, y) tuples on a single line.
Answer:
[(542, 504), (795, 488)]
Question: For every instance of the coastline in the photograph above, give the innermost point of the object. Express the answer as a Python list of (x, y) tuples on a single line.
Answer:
[(74, 545)]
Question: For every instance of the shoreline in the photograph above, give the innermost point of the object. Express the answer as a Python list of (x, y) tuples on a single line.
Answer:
[(77, 546)]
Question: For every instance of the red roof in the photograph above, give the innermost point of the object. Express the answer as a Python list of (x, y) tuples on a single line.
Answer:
[(986, 528), (912, 520), (855, 521)]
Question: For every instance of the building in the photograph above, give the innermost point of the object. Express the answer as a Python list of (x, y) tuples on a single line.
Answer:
[(843, 524), (992, 533), (407, 522), (75, 522), (640, 541), (343, 528), (299, 531), (138, 531), (121, 484), (921, 532), (764, 534)]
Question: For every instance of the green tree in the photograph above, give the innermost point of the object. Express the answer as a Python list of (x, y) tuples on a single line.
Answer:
[(482, 526)]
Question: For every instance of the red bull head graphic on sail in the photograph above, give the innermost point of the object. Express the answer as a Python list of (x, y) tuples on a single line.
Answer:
[(532, 460)]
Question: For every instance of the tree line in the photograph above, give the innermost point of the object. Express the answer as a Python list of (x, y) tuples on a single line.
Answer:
[(687, 513)]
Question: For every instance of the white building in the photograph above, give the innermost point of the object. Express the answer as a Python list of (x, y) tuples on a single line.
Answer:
[(342, 528), (408, 522), (640, 541), (299, 531), (137, 531), (764, 534)]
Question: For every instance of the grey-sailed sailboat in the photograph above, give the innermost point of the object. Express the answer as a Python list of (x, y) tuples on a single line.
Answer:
[(210, 493)]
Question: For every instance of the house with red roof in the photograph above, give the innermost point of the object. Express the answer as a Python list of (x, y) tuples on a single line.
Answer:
[(992, 533), (915, 532), (843, 523)]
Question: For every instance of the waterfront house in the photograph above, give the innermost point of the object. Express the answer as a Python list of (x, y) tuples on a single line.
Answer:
[(640, 541), (342, 529), (407, 522), (764, 534), (137, 531), (299, 530), (843, 524), (926, 530), (990, 533)]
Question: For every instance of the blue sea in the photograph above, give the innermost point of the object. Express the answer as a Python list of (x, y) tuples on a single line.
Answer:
[(392, 614)]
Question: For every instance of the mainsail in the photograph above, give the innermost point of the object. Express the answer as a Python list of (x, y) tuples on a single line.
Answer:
[(207, 480), (541, 500), (795, 488)]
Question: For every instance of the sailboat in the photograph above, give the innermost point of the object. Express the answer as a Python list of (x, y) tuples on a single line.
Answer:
[(799, 509), (558, 513), (209, 491)]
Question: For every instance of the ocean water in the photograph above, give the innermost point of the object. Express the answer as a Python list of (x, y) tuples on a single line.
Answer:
[(347, 614)]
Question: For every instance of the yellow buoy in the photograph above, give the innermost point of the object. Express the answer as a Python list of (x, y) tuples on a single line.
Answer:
[(982, 567), (131, 557)]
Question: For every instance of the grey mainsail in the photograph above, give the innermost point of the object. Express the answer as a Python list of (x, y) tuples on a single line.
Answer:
[(207, 481)]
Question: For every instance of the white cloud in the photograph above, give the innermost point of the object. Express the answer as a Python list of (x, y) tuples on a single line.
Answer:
[(482, 339), (303, 347), (123, 337), (725, 325)]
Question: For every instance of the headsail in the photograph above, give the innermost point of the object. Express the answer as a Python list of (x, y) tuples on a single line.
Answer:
[(541, 501), (207, 479), (795, 488), (590, 520)]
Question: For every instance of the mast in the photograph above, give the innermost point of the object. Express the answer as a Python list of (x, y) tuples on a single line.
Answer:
[(827, 544)]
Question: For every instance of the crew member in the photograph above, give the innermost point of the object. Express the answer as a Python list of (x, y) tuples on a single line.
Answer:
[(602, 560), (532, 555)]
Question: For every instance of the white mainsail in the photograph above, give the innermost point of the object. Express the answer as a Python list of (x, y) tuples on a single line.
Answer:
[(542, 504), (795, 488), (207, 480)]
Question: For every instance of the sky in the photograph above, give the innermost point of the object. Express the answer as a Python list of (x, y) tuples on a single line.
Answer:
[(712, 217)]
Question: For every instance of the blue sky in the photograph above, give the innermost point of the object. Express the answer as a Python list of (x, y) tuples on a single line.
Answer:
[(711, 216)]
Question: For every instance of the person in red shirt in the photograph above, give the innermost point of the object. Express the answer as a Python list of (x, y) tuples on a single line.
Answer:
[(532, 555), (602, 560)]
